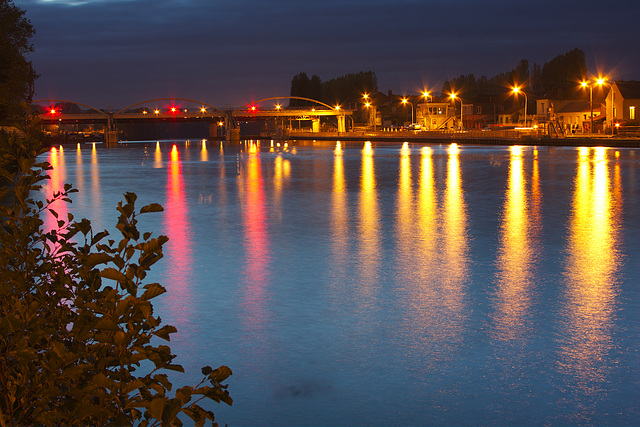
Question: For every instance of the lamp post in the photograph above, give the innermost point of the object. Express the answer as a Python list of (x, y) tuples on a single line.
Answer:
[(404, 101), (588, 83), (367, 103), (453, 97), (516, 91)]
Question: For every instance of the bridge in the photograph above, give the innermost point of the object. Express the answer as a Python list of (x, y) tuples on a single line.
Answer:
[(175, 112)]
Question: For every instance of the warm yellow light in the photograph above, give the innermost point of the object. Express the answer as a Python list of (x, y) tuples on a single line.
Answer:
[(617, 125), (404, 100), (365, 96), (173, 109), (144, 111), (202, 110), (453, 96), (584, 84), (516, 90), (157, 111), (337, 107), (368, 104), (277, 106), (425, 94), (600, 81)]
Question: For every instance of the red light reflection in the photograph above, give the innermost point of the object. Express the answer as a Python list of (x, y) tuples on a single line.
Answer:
[(178, 249), (55, 184)]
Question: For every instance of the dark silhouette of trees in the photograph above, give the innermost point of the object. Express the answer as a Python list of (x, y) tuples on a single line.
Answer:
[(340, 90), (565, 69), (16, 73)]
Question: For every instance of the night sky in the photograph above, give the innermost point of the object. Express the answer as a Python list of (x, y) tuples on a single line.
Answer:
[(228, 53)]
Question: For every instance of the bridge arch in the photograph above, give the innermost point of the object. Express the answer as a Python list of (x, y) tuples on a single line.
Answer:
[(286, 97), (70, 102), (173, 99)]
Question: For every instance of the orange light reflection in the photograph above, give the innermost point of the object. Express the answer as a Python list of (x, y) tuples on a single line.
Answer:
[(515, 256), (592, 268)]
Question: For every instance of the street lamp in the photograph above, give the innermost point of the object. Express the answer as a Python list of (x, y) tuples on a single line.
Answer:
[(453, 97), (404, 101), (368, 105), (588, 83), (516, 91)]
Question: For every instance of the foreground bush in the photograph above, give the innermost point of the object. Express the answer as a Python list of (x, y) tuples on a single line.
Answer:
[(77, 328)]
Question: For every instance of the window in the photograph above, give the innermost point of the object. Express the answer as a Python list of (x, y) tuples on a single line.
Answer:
[(632, 113), (478, 109), (615, 114)]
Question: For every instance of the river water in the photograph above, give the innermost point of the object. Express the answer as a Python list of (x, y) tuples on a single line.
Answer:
[(390, 284)]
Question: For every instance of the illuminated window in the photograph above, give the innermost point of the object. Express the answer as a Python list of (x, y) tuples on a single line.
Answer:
[(615, 114), (632, 113)]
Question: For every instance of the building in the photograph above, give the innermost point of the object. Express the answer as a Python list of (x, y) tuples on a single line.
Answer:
[(623, 103), (436, 115)]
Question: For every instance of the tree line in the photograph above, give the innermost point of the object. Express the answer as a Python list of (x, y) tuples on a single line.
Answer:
[(566, 68), (340, 90)]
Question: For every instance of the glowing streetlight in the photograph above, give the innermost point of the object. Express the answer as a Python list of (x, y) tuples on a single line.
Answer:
[(588, 83), (426, 95), (516, 90), (453, 97), (405, 101), (203, 110), (371, 117)]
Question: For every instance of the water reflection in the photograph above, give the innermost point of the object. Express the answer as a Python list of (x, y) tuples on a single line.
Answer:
[(339, 215), (204, 154), (591, 271), (455, 261), (179, 247), (369, 253), (55, 184), (256, 242), (516, 255), (157, 156)]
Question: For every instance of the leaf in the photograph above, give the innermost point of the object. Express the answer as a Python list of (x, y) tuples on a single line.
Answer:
[(157, 406), (97, 258), (220, 374), (113, 274), (165, 331), (153, 290), (153, 207)]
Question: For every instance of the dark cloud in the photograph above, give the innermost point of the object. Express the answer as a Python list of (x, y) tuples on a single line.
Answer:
[(118, 52)]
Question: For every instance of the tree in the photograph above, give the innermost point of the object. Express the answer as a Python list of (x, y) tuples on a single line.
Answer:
[(78, 337), (16, 73), (349, 88), (568, 68)]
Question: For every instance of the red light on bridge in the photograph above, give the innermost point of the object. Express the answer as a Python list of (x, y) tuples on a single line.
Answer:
[(52, 111)]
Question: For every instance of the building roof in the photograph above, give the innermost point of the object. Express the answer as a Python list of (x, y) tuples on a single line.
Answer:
[(575, 107), (629, 89)]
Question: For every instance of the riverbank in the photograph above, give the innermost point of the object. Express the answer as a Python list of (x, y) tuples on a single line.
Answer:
[(474, 138)]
